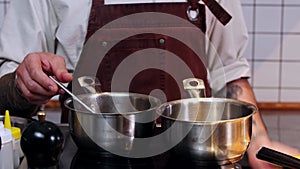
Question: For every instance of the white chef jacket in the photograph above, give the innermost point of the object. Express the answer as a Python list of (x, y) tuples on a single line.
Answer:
[(60, 26)]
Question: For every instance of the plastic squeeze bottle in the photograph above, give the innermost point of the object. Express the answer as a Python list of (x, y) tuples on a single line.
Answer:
[(6, 151), (16, 134)]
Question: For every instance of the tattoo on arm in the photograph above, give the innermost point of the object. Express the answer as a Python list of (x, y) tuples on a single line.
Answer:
[(233, 91)]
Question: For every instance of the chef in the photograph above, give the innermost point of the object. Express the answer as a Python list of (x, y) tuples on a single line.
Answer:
[(41, 38)]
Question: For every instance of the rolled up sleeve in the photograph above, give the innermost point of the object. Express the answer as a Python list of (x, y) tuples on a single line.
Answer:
[(226, 46), (27, 27)]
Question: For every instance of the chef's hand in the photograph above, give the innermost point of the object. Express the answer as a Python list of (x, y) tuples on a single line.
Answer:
[(32, 76), (261, 140)]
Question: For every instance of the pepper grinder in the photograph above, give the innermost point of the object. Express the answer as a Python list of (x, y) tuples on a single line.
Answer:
[(42, 143)]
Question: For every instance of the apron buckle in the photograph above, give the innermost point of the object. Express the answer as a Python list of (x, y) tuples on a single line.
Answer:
[(192, 13)]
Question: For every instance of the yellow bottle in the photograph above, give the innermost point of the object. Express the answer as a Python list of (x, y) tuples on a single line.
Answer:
[(16, 133), (6, 151)]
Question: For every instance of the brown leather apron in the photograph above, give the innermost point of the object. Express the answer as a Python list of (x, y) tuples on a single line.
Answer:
[(149, 79)]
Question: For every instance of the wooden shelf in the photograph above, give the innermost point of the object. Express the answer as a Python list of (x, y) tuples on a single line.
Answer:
[(278, 105)]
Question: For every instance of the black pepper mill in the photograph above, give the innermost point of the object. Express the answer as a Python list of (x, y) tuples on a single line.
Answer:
[(42, 143)]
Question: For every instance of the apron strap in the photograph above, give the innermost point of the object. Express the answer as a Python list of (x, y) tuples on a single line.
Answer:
[(220, 13), (92, 24)]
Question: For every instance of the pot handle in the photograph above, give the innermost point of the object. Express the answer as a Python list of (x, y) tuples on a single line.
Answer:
[(278, 158), (89, 84), (194, 87)]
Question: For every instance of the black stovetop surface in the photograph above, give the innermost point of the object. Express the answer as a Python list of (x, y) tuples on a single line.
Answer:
[(72, 158)]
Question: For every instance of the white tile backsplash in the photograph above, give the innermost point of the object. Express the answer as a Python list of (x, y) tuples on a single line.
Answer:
[(276, 51), (271, 120), (283, 126), (269, 2), (249, 50), (267, 47), (291, 47), (266, 94), (291, 19), (290, 137), (247, 2), (287, 118), (291, 2), (290, 74), (268, 19), (249, 16), (266, 74), (290, 95)]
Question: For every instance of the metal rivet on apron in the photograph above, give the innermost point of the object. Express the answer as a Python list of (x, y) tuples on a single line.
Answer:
[(104, 43), (161, 41), (192, 13)]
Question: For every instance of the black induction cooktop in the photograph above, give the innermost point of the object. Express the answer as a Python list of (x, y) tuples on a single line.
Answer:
[(72, 158)]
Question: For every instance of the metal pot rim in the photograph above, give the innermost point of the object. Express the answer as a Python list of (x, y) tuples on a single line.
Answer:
[(195, 100), (153, 107)]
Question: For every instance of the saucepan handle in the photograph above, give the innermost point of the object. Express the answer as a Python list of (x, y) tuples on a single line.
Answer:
[(90, 84), (194, 87), (278, 158)]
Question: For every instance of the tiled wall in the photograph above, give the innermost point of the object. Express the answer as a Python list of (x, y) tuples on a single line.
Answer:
[(273, 50), (283, 126)]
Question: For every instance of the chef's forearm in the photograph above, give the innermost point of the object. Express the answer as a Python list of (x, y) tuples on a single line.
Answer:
[(241, 90), (11, 99)]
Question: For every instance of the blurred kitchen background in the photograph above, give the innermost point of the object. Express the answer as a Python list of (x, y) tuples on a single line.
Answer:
[(273, 53)]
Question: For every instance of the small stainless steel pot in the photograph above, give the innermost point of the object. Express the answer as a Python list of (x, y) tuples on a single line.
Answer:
[(120, 118), (212, 131)]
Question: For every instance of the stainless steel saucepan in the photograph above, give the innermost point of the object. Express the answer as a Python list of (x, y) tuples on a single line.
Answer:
[(120, 118), (214, 131)]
